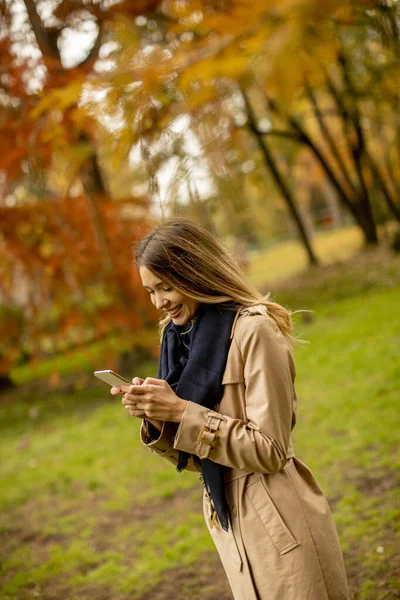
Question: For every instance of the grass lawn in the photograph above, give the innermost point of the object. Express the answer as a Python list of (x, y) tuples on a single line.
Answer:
[(88, 513), (289, 258)]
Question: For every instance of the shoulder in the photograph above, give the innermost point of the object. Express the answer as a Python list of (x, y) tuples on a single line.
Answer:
[(259, 340), (254, 321)]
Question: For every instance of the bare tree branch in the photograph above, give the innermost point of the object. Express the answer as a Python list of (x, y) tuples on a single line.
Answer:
[(46, 45)]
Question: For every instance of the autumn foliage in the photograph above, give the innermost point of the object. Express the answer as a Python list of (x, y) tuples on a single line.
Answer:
[(58, 290), (66, 261), (264, 88)]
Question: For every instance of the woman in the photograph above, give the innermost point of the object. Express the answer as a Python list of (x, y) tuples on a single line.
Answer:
[(224, 404)]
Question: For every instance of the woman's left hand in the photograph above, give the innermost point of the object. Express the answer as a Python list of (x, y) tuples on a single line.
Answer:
[(156, 398)]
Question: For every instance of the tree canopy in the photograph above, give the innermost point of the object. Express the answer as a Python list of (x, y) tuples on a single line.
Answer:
[(229, 101)]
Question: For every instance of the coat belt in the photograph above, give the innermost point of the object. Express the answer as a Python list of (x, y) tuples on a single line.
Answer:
[(232, 474)]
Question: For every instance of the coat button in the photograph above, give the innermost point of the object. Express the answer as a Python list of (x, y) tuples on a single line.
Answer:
[(234, 511)]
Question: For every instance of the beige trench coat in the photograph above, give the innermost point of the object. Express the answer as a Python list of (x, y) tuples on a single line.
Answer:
[(282, 542)]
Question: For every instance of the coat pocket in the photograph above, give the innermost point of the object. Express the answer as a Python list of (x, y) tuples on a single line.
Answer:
[(270, 517)]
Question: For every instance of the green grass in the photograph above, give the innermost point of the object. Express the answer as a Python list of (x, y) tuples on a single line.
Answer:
[(87, 512), (73, 468), (349, 374)]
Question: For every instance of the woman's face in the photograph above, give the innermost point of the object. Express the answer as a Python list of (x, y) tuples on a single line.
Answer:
[(179, 307)]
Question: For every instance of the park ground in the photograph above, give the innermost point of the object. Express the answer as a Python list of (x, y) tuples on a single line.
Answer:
[(87, 513)]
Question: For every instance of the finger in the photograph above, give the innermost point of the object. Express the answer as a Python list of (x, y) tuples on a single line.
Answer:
[(149, 410), (115, 390), (155, 381), (125, 388), (137, 381), (133, 387), (135, 413), (137, 390), (129, 401)]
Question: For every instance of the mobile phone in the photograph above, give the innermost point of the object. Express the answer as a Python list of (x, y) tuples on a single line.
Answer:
[(111, 378)]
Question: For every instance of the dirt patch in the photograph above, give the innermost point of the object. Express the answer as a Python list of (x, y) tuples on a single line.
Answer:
[(370, 483), (109, 523), (378, 483), (25, 525), (204, 580), (60, 591)]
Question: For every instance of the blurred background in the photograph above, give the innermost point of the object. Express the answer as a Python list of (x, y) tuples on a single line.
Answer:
[(276, 125)]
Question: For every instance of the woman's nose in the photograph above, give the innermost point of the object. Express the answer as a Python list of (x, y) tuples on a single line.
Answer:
[(160, 302)]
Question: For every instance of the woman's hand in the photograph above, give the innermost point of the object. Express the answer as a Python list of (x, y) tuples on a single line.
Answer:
[(153, 399)]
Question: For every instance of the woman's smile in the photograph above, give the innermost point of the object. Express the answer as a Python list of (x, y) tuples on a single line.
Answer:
[(175, 311), (179, 307)]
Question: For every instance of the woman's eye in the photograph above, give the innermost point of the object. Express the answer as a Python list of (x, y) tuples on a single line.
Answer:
[(167, 289)]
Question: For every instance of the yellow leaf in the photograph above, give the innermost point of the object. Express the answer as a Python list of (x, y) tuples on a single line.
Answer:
[(201, 96), (59, 98)]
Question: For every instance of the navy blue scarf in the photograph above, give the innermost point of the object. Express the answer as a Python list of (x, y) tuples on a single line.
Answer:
[(193, 364)]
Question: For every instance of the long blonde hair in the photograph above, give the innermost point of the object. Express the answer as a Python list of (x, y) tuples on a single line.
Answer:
[(196, 263)]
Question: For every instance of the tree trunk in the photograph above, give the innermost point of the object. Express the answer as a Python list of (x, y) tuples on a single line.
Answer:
[(6, 383), (95, 188), (360, 207), (326, 132), (280, 183), (360, 210), (360, 154), (379, 178), (368, 225)]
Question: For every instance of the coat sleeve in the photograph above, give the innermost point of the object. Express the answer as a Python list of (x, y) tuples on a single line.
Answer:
[(259, 443), (163, 444)]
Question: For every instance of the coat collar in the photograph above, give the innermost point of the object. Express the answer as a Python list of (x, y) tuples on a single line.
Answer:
[(258, 309)]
